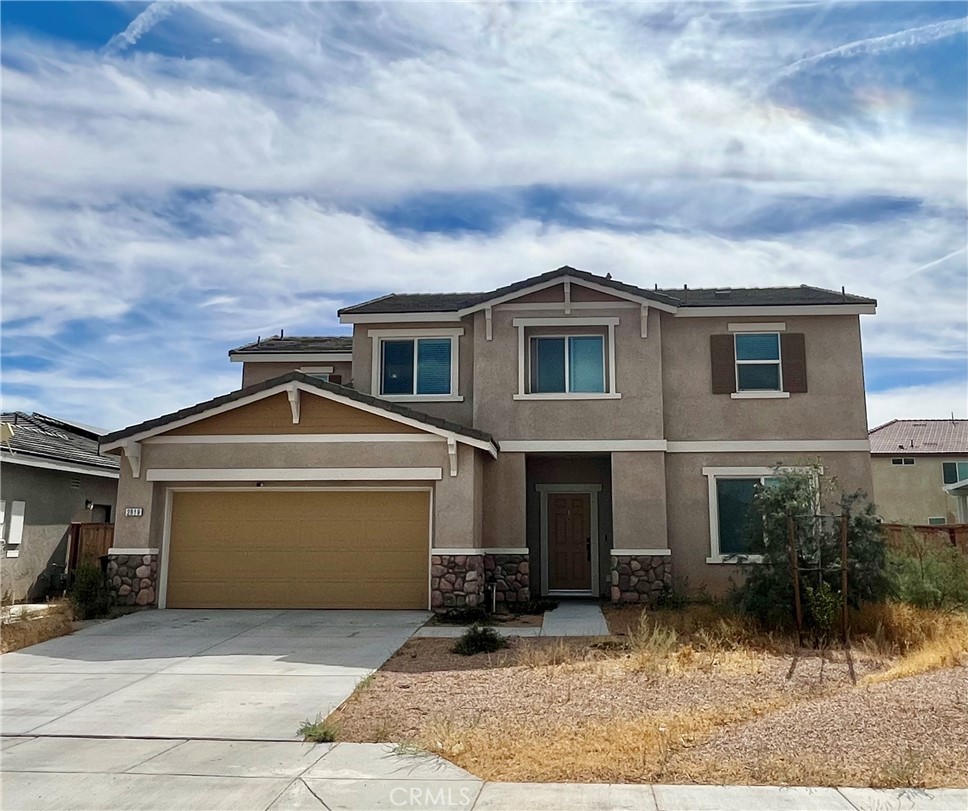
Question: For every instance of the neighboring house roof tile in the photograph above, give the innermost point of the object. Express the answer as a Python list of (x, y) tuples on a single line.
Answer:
[(345, 391), (704, 297), (307, 343), (920, 437), (41, 437)]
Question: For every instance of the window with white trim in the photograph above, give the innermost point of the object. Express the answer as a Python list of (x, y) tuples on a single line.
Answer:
[(568, 364), (12, 527), (417, 366), (906, 461), (937, 520), (734, 498), (758, 361), (952, 472)]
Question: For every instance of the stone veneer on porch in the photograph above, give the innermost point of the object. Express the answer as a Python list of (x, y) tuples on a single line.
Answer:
[(640, 578), (462, 580)]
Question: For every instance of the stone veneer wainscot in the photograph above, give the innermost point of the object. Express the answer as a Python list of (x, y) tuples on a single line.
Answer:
[(133, 578), (640, 578)]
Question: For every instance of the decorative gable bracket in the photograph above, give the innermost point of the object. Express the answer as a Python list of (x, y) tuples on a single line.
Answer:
[(293, 394), (132, 452), (452, 454)]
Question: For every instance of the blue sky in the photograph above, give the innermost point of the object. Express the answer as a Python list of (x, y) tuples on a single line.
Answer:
[(179, 178)]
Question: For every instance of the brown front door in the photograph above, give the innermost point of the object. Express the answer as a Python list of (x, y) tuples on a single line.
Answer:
[(569, 541)]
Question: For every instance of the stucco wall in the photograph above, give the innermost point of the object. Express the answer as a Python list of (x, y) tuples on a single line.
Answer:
[(639, 493), (638, 376), (911, 494), (688, 502), (832, 408), (504, 514), (253, 373), (459, 412), (50, 506)]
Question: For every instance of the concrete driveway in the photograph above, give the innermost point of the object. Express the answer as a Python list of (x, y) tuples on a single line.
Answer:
[(229, 675)]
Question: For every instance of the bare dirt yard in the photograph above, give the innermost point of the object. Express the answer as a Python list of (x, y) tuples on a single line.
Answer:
[(693, 696)]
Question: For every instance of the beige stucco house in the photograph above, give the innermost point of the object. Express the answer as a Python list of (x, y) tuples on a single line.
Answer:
[(568, 434), (920, 470)]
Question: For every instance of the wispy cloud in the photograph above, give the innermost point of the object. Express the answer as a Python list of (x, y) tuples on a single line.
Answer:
[(139, 26)]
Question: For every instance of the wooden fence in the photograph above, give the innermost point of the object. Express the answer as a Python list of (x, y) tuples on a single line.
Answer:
[(88, 543), (954, 534)]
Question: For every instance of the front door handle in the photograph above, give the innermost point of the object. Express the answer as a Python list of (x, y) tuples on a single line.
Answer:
[(588, 547)]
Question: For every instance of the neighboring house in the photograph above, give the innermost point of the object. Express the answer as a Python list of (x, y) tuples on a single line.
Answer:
[(51, 476), (920, 470), (568, 434)]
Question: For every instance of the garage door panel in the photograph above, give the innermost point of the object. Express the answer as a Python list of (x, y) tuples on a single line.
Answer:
[(300, 549)]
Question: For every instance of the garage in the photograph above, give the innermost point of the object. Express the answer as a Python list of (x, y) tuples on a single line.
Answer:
[(307, 548)]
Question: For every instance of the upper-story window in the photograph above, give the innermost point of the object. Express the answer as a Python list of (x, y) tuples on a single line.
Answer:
[(903, 460), (758, 361), (568, 363), (571, 358), (411, 364), (954, 471)]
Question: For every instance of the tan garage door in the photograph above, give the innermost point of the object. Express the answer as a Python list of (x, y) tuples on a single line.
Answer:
[(322, 549)]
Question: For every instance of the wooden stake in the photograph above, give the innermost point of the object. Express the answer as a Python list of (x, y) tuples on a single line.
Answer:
[(843, 579), (795, 573)]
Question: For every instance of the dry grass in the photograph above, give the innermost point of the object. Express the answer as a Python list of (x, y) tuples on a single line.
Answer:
[(698, 695), (30, 630)]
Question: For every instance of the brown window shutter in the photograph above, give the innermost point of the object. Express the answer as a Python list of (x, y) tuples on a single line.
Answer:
[(337, 379), (794, 353), (723, 363)]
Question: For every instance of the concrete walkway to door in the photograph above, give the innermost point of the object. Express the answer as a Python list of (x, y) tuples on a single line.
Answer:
[(240, 675)]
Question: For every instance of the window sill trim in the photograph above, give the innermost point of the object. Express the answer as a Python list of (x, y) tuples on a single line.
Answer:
[(568, 396), (760, 395), (422, 398), (734, 560)]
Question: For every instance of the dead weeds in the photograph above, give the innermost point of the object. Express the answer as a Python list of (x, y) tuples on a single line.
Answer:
[(22, 632)]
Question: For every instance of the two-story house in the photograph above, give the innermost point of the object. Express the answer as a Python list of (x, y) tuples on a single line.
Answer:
[(568, 434)]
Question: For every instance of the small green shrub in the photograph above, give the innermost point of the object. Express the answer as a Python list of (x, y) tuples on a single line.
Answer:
[(479, 639), (929, 574), (318, 731), (824, 607), (90, 594)]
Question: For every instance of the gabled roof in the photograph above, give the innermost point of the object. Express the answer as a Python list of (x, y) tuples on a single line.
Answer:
[(305, 382), (803, 295), (920, 437), (455, 302), (309, 343), (42, 438)]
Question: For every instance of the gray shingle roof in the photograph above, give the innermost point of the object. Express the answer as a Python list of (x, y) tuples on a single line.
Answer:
[(37, 436), (920, 437), (305, 343), (345, 391), (701, 297)]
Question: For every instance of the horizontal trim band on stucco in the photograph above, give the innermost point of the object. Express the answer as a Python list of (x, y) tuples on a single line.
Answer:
[(768, 445), (216, 439), (125, 551), (67, 467), (489, 550), (290, 357), (636, 552), (757, 326), (525, 445), (301, 474)]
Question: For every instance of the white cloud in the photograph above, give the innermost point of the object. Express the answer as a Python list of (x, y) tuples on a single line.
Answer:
[(936, 401)]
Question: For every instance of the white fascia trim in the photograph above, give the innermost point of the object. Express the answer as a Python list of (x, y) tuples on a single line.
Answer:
[(12, 553), (283, 387), (602, 395), (488, 550), (302, 474), (399, 318), (416, 332), (804, 309), (117, 550), (271, 439), (566, 321), (291, 357), (757, 326), (760, 395), (67, 467), (633, 552), (769, 446), (550, 445)]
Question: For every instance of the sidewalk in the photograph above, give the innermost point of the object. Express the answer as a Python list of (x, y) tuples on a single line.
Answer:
[(139, 774), (570, 618)]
